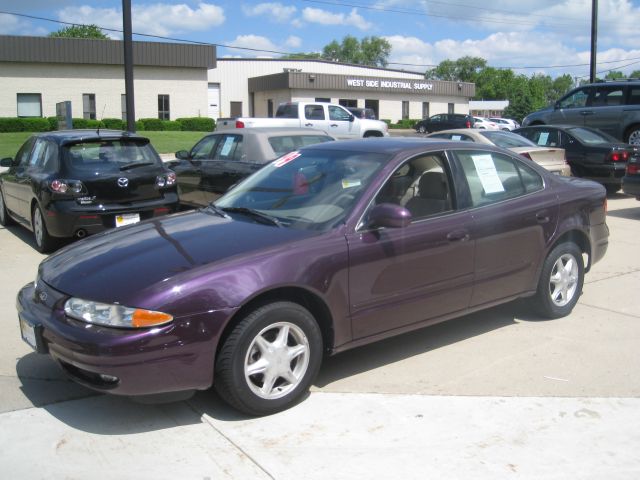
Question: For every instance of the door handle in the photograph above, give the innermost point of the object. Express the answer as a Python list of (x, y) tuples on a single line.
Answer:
[(586, 112), (458, 236), (308, 124), (334, 125), (542, 217)]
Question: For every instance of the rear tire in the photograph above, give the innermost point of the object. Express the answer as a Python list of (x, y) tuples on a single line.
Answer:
[(422, 129), (633, 135), (612, 188), (560, 283), (270, 359), (5, 219), (45, 243)]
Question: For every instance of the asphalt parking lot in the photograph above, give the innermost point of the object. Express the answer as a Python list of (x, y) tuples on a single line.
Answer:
[(498, 394)]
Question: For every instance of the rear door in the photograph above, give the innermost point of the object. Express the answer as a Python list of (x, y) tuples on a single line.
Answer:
[(514, 216), (315, 115), (607, 106)]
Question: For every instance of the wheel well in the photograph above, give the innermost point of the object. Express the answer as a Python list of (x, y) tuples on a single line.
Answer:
[(316, 306), (580, 239), (372, 133)]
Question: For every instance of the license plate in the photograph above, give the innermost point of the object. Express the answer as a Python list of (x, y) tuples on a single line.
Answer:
[(127, 219), (28, 334)]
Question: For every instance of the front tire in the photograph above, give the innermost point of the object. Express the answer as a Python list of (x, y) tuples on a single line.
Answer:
[(561, 281), (270, 359), (422, 129), (45, 243)]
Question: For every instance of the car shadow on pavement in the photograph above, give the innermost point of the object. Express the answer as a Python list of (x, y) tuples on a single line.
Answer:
[(417, 342), (626, 213)]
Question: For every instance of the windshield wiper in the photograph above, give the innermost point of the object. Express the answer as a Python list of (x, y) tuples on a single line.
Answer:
[(256, 214), (217, 210), (129, 166)]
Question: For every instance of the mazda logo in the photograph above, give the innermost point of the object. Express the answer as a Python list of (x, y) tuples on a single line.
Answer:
[(42, 296), (123, 182)]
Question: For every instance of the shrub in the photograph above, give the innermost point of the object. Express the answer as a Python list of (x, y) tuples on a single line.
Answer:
[(114, 123), (14, 124), (171, 125), (153, 124), (197, 124), (140, 126), (88, 124), (53, 123)]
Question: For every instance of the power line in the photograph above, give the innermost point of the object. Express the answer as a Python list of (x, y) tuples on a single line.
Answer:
[(182, 40)]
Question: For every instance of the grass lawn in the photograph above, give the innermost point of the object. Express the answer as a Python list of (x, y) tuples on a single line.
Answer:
[(163, 142)]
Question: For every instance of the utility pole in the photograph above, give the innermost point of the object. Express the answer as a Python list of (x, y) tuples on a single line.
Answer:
[(128, 65), (594, 39)]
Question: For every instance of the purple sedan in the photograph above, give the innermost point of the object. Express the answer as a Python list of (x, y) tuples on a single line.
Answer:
[(325, 249)]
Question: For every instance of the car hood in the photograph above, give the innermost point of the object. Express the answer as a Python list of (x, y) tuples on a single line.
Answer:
[(117, 265)]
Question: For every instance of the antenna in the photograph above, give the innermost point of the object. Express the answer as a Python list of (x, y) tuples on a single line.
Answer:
[(101, 117)]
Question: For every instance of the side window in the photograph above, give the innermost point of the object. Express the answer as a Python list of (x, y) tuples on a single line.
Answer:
[(634, 96), (436, 118), (339, 114), (607, 96), (420, 185), (314, 112), (229, 148), (22, 157), (577, 99), (493, 177), (203, 149), (37, 153), (47, 156)]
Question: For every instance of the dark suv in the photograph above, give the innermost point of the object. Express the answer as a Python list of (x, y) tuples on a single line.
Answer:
[(444, 121), (78, 182), (613, 107)]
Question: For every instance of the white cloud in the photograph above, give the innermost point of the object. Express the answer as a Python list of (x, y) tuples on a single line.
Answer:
[(274, 11), (253, 41), (12, 25), (293, 42), (323, 17), (154, 19)]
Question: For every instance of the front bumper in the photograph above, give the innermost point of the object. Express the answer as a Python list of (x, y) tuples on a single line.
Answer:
[(65, 218), (174, 357)]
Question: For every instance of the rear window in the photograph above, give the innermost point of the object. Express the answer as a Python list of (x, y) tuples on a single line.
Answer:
[(110, 155), (507, 140), (287, 143), (591, 137), (287, 111)]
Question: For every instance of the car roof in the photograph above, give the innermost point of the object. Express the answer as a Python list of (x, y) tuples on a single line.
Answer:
[(266, 131), (71, 136)]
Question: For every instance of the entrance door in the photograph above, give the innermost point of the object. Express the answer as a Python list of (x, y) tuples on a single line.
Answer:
[(213, 101)]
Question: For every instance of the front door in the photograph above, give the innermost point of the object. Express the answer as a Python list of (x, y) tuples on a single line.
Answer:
[(340, 123), (398, 277)]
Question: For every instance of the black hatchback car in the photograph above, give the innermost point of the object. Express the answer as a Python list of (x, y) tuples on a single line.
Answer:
[(444, 121), (591, 153), (78, 182)]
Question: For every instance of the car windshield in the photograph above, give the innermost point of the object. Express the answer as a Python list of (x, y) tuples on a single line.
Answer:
[(309, 189), (591, 137), (507, 139), (110, 155)]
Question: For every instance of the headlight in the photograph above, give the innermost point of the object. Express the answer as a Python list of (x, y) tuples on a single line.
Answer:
[(114, 315)]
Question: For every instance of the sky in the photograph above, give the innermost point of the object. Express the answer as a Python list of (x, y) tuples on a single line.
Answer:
[(531, 37)]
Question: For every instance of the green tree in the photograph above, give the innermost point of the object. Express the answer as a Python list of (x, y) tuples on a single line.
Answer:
[(80, 31), (371, 51), (494, 84), (464, 69), (302, 56), (614, 75), (635, 74)]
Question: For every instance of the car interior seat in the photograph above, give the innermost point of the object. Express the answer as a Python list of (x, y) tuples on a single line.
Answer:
[(433, 195)]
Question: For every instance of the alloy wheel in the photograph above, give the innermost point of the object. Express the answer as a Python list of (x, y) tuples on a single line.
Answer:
[(276, 360), (563, 282)]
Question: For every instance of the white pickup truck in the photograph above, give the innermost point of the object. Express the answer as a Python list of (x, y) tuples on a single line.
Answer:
[(335, 120)]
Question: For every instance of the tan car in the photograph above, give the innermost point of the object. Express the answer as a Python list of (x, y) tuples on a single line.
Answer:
[(553, 159)]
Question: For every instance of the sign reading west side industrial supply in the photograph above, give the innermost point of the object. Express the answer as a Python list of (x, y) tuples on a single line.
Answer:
[(395, 84)]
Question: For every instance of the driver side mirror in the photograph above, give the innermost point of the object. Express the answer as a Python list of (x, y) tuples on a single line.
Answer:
[(182, 155), (6, 162), (389, 215), (351, 118)]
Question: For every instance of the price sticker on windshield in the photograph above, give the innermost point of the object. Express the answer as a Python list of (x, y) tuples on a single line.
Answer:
[(289, 157)]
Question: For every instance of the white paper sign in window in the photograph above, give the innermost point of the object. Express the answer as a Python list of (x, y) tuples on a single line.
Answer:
[(544, 138), (487, 173), (226, 148)]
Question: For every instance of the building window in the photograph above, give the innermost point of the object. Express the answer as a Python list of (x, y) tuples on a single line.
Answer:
[(123, 106), (89, 106), (347, 102), (29, 105), (373, 105), (270, 108), (425, 109), (323, 100), (451, 108), (405, 109), (235, 109), (163, 107)]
